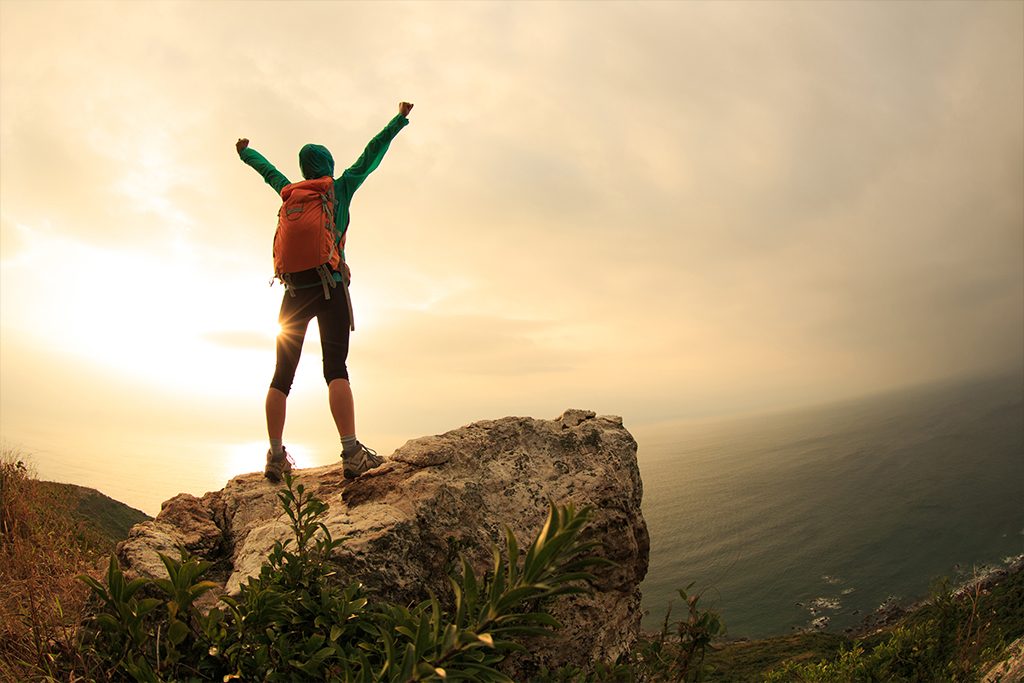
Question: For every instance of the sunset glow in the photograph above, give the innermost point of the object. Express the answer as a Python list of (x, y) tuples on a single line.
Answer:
[(657, 210)]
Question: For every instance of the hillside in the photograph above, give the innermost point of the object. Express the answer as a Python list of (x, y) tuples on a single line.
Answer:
[(103, 521), (49, 534), (957, 633)]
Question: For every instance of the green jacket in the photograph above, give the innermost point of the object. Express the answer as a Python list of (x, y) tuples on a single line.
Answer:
[(315, 161)]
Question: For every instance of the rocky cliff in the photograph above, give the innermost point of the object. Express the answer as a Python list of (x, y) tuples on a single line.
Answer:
[(435, 497)]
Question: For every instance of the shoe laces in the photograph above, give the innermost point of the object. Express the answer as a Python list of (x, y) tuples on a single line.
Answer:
[(365, 455), (287, 456)]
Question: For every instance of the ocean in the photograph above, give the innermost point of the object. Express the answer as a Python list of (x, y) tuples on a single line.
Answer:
[(826, 513)]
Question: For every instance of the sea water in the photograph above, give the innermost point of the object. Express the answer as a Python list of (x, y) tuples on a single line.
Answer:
[(784, 519)]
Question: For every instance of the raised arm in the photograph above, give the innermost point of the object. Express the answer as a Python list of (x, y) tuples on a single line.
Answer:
[(371, 157), (271, 175)]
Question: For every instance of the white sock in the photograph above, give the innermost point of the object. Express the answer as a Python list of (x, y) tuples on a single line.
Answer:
[(349, 444), (276, 447)]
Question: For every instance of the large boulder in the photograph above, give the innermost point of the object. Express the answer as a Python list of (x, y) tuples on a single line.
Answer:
[(434, 498)]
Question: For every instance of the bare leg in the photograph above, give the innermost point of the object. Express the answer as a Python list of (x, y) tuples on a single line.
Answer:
[(343, 408), (276, 402)]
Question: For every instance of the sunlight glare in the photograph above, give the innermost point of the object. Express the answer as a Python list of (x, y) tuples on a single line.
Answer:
[(137, 315), (243, 458)]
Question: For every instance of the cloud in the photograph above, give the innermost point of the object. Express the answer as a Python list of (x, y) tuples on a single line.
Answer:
[(480, 345), (739, 199)]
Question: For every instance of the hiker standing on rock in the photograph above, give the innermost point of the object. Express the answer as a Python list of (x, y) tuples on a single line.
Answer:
[(309, 258)]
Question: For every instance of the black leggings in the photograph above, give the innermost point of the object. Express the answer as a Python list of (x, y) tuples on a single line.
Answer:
[(332, 317)]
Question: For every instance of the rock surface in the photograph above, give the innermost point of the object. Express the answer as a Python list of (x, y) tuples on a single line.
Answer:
[(437, 496), (1011, 669)]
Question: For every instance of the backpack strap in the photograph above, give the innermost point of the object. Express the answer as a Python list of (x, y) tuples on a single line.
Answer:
[(348, 298), (289, 286), (326, 279)]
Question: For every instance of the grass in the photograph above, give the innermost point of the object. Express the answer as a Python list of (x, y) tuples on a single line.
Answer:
[(48, 535), (747, 660), (102, 520), (955, 636)]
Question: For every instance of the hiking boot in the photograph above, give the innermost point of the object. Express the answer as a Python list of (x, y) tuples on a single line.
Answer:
[(277, 466), (362, 460)]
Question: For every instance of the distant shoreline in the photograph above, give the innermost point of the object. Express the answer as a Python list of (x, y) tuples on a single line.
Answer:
[(893, 610), (986, 578)]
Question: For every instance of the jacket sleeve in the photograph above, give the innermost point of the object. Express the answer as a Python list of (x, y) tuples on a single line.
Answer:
[(271, 175), (371, 157)]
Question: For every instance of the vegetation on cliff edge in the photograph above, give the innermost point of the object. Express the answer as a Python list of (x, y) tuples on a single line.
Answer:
[(299, 619)]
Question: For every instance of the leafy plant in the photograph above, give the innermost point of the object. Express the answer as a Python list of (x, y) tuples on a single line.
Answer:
[(299, 620), (677, 652)]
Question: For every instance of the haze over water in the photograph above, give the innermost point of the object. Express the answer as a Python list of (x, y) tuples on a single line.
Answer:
[(834, 508)]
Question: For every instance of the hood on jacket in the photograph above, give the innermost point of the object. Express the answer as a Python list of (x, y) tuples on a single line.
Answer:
[(315, 161)]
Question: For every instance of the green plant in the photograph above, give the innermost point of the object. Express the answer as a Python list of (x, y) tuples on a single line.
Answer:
[(946, 640), (42, 548), (676, 653), (299, 620)]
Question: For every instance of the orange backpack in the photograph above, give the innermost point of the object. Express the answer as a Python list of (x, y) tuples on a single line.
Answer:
[(305, 237)]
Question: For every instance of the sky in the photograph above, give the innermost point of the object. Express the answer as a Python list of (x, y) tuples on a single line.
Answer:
[(661, 210)]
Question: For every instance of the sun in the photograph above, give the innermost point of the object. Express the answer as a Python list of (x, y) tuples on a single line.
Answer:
[(250, 456)]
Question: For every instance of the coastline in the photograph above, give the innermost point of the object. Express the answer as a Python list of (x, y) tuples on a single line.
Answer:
[(985, 578)]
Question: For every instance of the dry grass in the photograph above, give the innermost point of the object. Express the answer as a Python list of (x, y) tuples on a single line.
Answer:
[(42, 549)]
